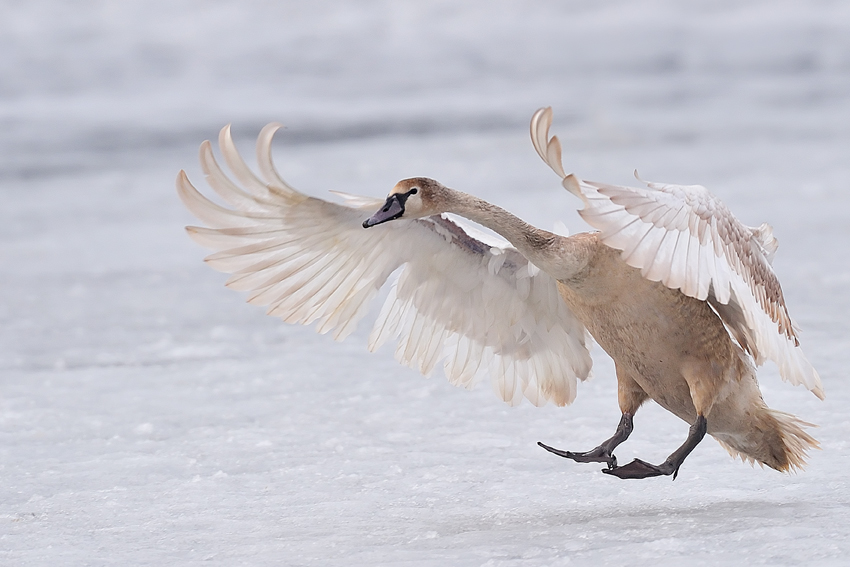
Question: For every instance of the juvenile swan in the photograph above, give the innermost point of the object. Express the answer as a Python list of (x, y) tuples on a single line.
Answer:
[(673, 287)]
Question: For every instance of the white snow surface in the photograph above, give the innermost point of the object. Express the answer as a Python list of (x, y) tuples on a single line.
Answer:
[(149, 417)]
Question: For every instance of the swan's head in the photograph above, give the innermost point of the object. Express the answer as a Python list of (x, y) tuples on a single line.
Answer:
[(412, 198)]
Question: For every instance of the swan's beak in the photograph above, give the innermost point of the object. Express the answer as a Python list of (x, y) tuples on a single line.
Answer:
[(392, 209)]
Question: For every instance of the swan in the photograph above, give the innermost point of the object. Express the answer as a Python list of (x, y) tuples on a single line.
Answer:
[(671, 285)]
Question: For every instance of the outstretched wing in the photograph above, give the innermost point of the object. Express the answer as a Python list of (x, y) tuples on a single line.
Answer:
[(686, 238), (479, 308)]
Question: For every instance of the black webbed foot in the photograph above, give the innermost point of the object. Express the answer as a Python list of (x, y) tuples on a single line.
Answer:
[(604, 453), (597, 455), (642, 469)]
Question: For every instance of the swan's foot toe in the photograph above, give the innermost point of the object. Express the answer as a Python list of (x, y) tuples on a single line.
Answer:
[(642, 469), (597, 455)]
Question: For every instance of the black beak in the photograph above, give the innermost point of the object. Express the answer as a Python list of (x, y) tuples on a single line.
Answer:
[(392, 209)]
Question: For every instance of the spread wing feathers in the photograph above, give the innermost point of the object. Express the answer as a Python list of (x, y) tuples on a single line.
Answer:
[(483, 310), (686, 238), (477, 308)]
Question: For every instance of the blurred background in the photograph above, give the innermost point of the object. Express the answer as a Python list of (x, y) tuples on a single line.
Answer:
[(108, 76), (148, 415)]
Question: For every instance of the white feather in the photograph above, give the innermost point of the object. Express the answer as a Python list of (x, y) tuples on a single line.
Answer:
[(686, 238), (464, 297)]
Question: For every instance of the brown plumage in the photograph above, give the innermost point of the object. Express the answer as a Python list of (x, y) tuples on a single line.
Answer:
[(666, 346), (673, 287), (674, 349)]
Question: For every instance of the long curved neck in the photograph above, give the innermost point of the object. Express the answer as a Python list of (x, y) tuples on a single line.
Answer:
[(559, 256)]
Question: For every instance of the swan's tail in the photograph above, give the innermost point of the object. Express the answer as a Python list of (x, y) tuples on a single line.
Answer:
[(775, 438)]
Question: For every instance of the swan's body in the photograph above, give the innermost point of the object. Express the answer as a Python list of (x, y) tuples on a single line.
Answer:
[(674, 289), (675, 350)]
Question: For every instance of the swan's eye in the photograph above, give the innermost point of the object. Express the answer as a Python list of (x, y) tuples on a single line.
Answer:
[(413, 191)]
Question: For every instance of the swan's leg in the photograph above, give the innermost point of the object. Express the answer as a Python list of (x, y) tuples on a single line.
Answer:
[(604, 453), (630, 396), (705, 384), (642, 469)]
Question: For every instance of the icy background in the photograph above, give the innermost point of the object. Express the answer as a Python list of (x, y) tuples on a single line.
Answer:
[(149, 417)]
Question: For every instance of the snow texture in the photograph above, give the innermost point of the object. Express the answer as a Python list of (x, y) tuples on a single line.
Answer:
[(149, 417)]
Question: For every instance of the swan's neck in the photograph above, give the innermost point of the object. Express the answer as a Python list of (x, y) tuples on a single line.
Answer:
[(559, 256)]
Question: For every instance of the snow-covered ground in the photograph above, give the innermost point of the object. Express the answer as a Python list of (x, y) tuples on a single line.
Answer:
[(149, 417)]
